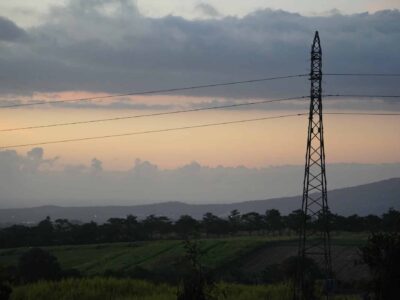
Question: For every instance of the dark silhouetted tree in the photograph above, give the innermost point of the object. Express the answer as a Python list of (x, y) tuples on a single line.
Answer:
[(186, 226), (153, 225), (44, 232), (252, 222), (294, 220), (38, 264), (214, 225), (273, 220), (382, 255), (391, 220), (197, 284), (5, 284), (234, 219), (87, 233)]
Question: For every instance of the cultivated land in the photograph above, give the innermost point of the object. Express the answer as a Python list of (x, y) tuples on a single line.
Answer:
[(250, 255), (118, 289)]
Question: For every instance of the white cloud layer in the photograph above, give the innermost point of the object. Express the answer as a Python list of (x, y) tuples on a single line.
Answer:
[(27, 181)]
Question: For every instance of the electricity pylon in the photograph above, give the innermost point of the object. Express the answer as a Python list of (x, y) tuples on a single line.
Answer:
[(314, 237)]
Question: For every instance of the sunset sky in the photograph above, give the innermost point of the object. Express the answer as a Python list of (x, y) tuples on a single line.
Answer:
[(59, 50)]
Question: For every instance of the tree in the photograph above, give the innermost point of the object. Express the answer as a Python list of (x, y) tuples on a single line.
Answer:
[(86, 233), (382, 255), (234, 221), (354, 223), (214, 225), (156, 225), (273, 220), (44, 232), (372, 223), (63, 229), (186, 226), (133, 229), (150, 225), (294, 220), (15, 236), (38, 264), (164, 225), (114, 230), (252, 222), (197, 284), (391, 220), (5, 284)]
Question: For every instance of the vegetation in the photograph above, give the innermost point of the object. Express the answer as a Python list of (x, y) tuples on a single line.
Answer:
[(197, 283), (128, 289), (154, 259), (129, 229), (5, 284), (153, 263), (382, 254), (38, 264), (124, 289), (94, 289), (162, 262)]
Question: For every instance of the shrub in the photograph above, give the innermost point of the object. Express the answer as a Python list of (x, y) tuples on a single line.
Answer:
[(38, 264)]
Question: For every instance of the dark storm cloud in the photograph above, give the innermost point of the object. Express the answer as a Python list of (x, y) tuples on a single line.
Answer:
[(108, 46), (9, 31)]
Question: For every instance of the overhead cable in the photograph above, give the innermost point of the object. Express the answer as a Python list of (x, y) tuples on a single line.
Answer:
[(154, 114), (151, 131), (160, 91)]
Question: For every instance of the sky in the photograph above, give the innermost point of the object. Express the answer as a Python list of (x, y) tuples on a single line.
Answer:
[(29, 13), (60, 50)]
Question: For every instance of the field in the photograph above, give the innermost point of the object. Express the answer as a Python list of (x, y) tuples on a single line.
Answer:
[(249, 254), (117, 289)]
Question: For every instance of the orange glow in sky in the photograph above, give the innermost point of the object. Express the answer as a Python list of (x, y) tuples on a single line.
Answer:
[(257, 144)]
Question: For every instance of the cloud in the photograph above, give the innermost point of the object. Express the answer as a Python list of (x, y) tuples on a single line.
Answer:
[(27, 180), (207, 10), (108, 46), (9, 31), (96, 166), (33, 161)]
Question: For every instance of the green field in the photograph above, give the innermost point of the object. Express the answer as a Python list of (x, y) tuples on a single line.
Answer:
[(117, 289), (251, 254)]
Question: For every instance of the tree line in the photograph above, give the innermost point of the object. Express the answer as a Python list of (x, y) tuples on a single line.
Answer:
[(63, 232)]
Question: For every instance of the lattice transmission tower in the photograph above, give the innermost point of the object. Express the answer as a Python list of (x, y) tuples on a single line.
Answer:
[(314, 237)]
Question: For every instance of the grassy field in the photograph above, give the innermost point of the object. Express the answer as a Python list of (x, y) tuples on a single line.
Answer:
[(251, 253), (118, 289)]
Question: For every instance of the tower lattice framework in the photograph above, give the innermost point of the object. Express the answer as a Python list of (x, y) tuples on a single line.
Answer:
[(314, 237)]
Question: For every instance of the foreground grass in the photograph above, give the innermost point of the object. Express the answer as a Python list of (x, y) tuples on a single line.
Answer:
[(126, 289), (94, 289)]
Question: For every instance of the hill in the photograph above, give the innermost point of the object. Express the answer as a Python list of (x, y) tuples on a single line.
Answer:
[(373, 198)]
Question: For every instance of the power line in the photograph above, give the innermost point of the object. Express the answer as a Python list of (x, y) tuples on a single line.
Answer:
[(190, 127), (151, 131), (361, 114), (154, 114), (155, 91), (192, 88), (362, 74), (196, 110), (361, 96)]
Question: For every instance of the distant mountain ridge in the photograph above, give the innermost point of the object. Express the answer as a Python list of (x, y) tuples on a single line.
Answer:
[(373, 198)]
